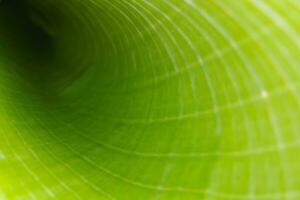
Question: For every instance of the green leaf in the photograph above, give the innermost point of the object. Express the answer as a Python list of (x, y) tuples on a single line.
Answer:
[(149, 99)]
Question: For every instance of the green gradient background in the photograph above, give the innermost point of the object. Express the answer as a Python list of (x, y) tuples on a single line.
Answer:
[(149, 99)]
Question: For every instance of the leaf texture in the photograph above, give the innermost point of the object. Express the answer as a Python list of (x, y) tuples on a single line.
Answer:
[(149, 99)]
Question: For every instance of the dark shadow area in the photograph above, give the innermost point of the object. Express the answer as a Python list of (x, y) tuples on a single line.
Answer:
[(30, 35), (28, 44), (30, 41)]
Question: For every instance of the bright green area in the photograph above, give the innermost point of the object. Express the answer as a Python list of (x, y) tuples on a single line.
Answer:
[(149, 99)]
